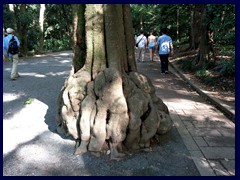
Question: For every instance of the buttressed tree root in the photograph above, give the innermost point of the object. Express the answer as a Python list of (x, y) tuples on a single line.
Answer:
[(118, 110)]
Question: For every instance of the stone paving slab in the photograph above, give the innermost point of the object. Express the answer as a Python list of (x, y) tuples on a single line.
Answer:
[(218, 168), (229, 165), (200, 141), (202, 164), (204, 132), (220, 141), (218, 152)]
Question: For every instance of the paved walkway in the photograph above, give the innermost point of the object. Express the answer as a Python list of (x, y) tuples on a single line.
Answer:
[(206, 145), (207, 133), (31, 146)]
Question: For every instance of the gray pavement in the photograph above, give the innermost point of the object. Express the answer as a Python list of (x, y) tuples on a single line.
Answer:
[(202, 141), (207, 133)]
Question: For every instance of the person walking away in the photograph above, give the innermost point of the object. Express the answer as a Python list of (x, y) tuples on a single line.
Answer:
[(152, 45), (12, 51), (165, 47), (142, 44)]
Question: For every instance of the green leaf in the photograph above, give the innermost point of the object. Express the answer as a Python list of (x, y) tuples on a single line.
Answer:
[(28, 101)]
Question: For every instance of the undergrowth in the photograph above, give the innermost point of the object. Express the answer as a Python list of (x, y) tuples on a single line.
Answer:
[(218, 72)]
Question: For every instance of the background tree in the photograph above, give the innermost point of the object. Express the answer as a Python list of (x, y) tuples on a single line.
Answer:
[(41, 26), (97, 105), (23, 29), (12, 16), (195, 24)]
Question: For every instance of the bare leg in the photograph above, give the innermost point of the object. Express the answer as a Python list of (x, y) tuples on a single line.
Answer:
[(151, 52)]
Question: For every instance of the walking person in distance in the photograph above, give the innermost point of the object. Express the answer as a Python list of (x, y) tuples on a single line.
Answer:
[(141, 43), (165, 47), (11, 45), (151, 45)]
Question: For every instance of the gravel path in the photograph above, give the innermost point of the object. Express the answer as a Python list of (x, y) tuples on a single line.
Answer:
[(31, 146)]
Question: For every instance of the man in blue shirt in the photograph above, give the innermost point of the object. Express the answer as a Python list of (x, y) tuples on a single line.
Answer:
[(13, 57), (165, 47)]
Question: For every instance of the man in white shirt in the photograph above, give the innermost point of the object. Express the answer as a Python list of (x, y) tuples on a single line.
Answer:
[(142, 45)]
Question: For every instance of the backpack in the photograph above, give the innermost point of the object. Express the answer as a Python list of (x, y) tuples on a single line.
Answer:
[(13, 46)]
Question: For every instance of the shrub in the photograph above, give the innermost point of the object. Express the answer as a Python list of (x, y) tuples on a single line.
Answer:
[(202, 73), (227, 68)]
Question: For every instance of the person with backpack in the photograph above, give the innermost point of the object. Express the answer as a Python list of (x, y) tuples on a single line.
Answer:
[(11, 45)]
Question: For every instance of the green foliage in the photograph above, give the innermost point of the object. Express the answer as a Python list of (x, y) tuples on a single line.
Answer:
[(57, 31), (177, 17), (8, 16), (202, 73), (57, 25), (156, 16), (33, 37), (57, 44), (222, 23), (28, 101), (227, 68)]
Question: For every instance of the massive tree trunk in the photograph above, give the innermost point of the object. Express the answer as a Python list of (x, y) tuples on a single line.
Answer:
[(105, 103)]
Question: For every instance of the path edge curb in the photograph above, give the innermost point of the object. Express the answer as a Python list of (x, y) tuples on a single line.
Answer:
[(219, 104)]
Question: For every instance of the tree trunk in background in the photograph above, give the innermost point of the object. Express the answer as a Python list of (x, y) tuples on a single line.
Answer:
[(195, 24), (41, 23), (23, 30), (14, 22), (204, 47), (105, 104)]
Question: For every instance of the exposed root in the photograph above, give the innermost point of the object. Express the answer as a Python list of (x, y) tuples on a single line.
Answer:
[(120, 109)]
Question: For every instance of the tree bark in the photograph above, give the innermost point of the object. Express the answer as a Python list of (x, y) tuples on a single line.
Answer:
[(204, 47), (79, 45), (129, 39), (41, 23), (23, 29), (195, 30), (114, 36), (105, 104)]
